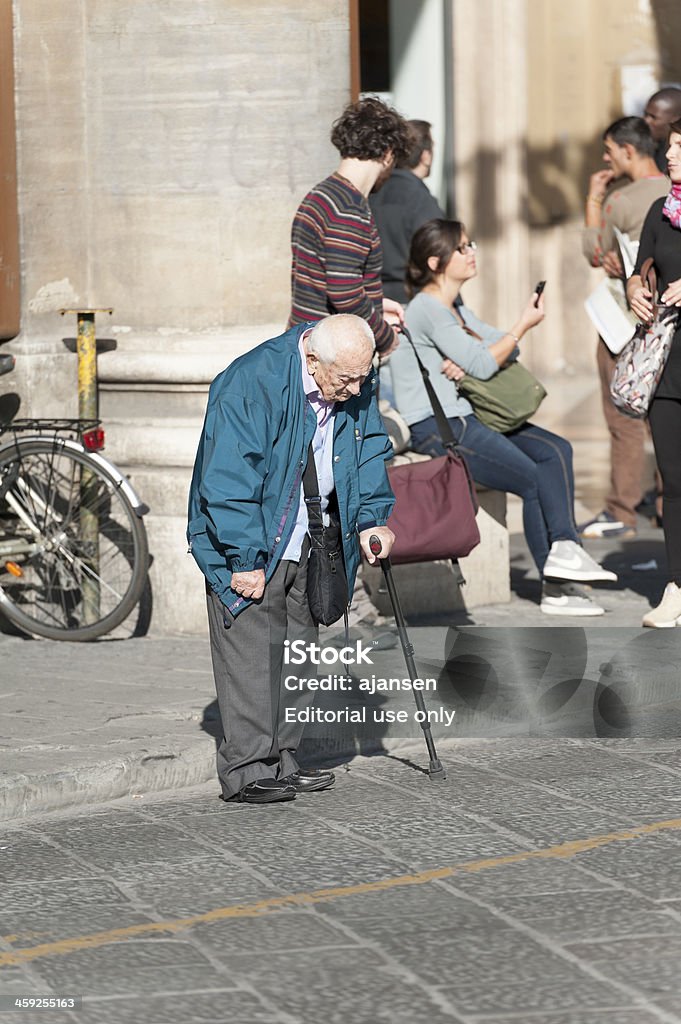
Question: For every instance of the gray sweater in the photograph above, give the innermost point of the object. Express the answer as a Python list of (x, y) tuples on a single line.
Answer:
[(429, 321)]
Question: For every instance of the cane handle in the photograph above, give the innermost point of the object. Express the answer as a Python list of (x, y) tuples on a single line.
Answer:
[(375, 545)]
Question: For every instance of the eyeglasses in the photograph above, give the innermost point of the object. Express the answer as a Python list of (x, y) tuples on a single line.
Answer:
[(466, 247)]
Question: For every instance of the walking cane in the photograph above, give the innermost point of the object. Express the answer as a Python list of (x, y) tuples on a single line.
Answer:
[(436, 772)]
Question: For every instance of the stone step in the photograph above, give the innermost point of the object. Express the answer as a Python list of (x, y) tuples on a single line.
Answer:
[(163, 488), (152, 441), (150, 359), (165, 403)]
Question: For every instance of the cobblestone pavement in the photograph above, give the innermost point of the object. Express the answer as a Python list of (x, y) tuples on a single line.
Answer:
[(539, 883)]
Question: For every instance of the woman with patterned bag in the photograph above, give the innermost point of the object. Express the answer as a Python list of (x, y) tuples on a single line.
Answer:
[(661, 242), (528, 460)]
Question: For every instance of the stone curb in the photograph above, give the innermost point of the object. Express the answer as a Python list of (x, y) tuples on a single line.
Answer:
[(154, 770), (148, 770)]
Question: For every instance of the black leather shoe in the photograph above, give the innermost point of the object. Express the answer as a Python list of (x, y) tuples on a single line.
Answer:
[(264, 791), (310, 780)]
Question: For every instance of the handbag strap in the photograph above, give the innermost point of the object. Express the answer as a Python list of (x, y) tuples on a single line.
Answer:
[(313, 499), (448, 439), (649, 276)]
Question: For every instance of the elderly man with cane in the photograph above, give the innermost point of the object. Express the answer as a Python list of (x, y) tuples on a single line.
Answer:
[(306, 396)]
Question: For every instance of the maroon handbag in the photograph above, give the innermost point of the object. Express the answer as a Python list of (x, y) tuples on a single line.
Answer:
[(434, 513), (435, 500)]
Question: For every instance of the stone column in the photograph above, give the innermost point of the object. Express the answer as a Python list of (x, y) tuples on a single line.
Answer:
[(490, 124)]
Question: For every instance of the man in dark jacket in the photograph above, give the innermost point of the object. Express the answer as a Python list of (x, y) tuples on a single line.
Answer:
[(314, 386), (401, 206)]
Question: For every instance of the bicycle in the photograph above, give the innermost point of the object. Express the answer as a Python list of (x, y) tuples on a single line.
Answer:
[(73, 545)]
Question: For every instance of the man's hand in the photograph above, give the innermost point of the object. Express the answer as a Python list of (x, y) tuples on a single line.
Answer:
[(672, 295), (249, 584), (392, 346), (598, 183), (393, 312), (386, 537), (452, 370), (612, 264)]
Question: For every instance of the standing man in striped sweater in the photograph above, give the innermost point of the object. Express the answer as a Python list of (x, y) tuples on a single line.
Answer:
[(336, 251), (337, 259)]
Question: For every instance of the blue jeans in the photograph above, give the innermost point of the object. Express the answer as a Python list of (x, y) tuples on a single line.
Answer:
[(530, 462)]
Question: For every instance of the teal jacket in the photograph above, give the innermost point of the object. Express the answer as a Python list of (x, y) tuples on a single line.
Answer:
[(245, 489)]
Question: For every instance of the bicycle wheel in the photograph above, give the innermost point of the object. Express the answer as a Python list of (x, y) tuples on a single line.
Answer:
[(73, 552)]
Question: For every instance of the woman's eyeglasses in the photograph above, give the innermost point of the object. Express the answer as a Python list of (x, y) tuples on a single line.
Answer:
[(466, 247)]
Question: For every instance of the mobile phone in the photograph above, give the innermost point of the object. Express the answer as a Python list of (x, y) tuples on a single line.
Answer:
[(539, 289)]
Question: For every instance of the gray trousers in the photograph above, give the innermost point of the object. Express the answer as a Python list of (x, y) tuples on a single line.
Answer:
[(249, 670)]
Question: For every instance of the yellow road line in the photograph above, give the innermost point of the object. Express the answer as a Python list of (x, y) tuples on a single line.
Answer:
[(306, 899)]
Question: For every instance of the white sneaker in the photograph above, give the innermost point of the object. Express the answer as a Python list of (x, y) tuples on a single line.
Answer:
[(604, 526), (668, 612), (568, 561), (567, 599)]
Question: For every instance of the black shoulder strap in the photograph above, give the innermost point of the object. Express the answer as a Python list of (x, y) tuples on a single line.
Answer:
[(448, 439), (313, 499), (310, 482)]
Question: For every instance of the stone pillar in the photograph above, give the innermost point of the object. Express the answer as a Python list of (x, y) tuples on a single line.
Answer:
[(490, 122)]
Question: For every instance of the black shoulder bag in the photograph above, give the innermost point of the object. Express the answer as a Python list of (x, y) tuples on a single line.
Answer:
[(327, 584)]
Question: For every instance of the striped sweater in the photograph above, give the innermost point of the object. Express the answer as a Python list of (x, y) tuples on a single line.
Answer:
[(337, 261)]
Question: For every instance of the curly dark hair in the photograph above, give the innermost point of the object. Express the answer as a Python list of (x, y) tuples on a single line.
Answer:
[(369, 127), (434, 238)]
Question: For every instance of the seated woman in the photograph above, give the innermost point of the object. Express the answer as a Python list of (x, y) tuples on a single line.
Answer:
[(529, 461)]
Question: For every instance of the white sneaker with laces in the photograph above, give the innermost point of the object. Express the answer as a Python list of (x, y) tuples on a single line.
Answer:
[(668, 612), (567, 599), (568, 561)]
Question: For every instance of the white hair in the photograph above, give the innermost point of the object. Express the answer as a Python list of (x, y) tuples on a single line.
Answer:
[(331, 336)]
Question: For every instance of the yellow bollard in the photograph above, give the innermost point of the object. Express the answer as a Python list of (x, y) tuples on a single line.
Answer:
[(86, 348), (88, 408)]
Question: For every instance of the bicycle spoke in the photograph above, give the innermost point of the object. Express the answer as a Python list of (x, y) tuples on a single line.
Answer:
[(81, 549), (78, 563)]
